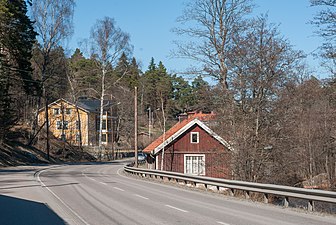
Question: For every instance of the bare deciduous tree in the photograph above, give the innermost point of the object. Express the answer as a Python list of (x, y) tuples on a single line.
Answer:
[(53, 22), (325, 21), (213, 24), (261, 63)]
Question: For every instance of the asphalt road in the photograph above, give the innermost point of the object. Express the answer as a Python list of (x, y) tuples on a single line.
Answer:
[(101, 194)]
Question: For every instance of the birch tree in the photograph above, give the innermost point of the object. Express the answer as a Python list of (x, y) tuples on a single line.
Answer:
[(108, 42)]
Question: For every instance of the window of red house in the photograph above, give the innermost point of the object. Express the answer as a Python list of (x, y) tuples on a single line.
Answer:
[(194, 137)]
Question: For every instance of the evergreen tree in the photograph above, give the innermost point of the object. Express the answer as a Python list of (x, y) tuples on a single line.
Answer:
[(122, 66), (164, 88), (201, 94), (16, 40), (57, 83), (134, 74), (149, 82), (157, 85), (182, 95), (152, 66), (84, 74)]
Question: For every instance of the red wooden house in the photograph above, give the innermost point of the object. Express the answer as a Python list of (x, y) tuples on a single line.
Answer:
[(191, 147)]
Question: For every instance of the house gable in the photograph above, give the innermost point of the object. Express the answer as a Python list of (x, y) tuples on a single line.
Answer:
[(195, 140), (179, 131), (59, 103)]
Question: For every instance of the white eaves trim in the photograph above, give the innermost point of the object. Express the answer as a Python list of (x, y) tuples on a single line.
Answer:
[(187, 127), (66, 101)]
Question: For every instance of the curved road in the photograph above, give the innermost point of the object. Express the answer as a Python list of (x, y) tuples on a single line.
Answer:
[(102, 194)]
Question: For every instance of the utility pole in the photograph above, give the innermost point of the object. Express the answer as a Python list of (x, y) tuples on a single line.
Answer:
[(112, 130), (63, 127), (164, 132), (149, 122), (47, 123), (136, 126)]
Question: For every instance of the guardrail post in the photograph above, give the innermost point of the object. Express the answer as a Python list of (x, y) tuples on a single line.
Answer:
[(286, 202), (247, 194), (310, 205), (231, 192), (265, 196)]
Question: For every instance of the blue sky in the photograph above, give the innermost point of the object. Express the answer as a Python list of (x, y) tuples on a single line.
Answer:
[(149, 23)]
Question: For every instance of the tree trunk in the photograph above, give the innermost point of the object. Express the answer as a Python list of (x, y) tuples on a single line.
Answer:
[(101, 107), (164, 131)]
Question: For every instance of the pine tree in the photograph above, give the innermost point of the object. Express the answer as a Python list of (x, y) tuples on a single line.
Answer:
[(152, 66), (134, 74), (84, 74), (201, 94), (16, 40), (182, 95), (158, 87), (123, 66)]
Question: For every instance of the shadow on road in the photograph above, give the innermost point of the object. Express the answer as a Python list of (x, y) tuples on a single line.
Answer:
[(15, 211), (23, 186)]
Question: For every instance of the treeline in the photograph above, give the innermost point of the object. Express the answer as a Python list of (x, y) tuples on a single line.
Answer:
[(161, 94), (278, 116)]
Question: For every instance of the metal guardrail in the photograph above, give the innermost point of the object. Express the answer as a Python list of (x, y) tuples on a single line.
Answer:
[(231, 185)]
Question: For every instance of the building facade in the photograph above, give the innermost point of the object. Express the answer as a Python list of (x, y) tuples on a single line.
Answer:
[(79, 123), (191, 147)]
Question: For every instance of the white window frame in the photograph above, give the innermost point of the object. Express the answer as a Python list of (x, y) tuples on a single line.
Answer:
[(56, 111), (77, 125), (59, 125), (191, 137), (65, 125), (68, 111), (106, 136), (104, 121), (197, 172), (77, 137)]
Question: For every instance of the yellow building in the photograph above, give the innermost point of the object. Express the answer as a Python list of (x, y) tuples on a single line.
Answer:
[(66, 120)]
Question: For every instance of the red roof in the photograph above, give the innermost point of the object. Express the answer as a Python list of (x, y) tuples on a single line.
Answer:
[(191, 116)]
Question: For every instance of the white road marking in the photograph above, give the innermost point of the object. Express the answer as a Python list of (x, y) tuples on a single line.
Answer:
[(118, 189), (87, 176), (58, 198), (222, 223), (103, 183), (176, 208), (141, 196)]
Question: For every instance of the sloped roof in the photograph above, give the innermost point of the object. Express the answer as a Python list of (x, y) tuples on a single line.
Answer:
[(176, 131), (93, 105), (200, 115), (64, 100)]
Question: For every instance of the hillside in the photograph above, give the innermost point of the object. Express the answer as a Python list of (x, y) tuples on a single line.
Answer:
[(14, 151)]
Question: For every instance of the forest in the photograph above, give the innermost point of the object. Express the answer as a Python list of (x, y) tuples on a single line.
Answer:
[(279, 117)]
